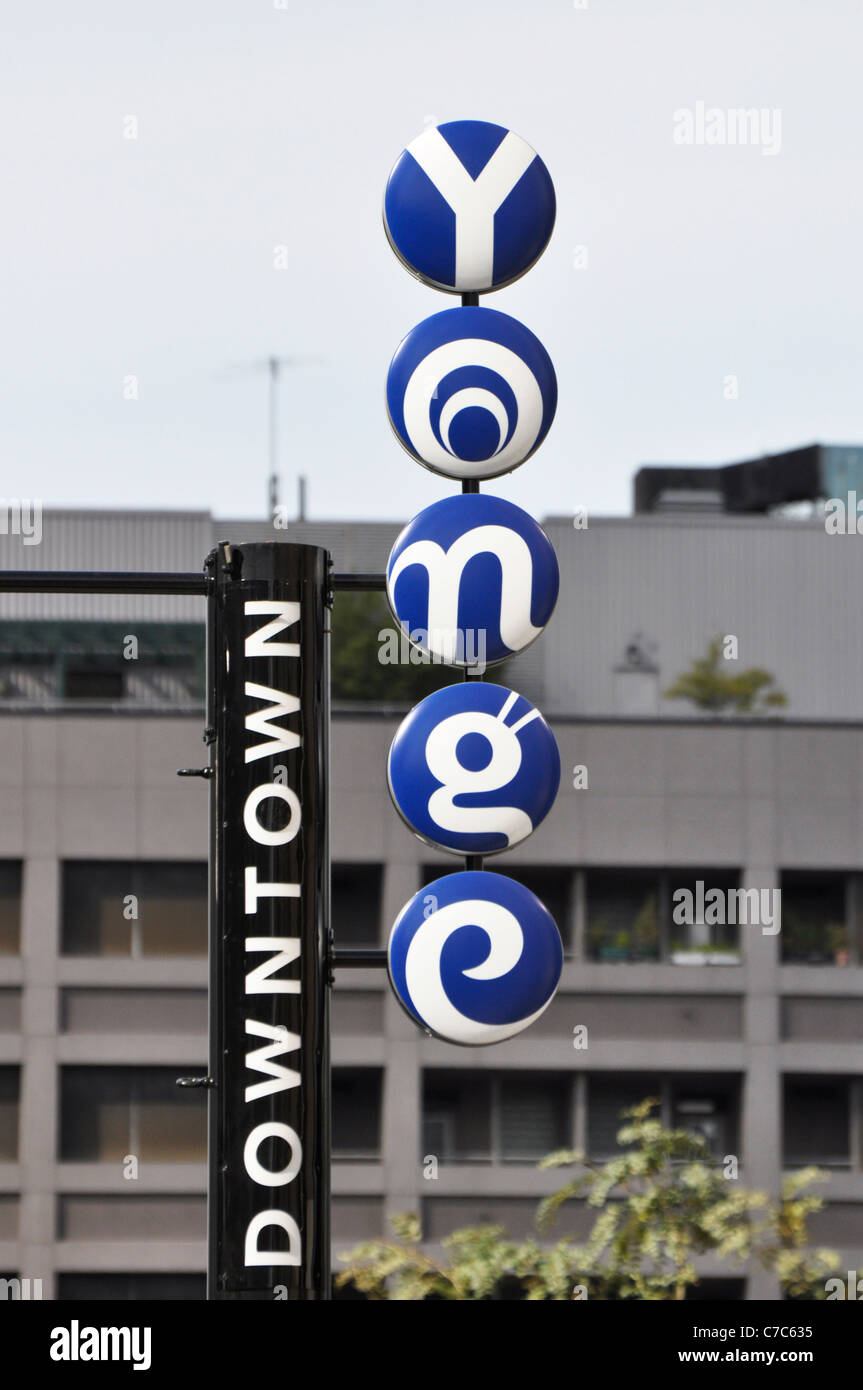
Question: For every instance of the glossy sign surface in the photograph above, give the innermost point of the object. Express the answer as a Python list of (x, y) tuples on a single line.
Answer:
[(471, 393), (469, 206), (474, 768), (475, 958), (472, 579)]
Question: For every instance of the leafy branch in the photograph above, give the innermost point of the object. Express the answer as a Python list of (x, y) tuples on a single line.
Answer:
[(662, 1202), (709, 687)]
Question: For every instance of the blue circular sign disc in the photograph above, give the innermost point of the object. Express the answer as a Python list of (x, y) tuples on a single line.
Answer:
[(475, 958), (472, 579), (471, 393), (474, 768), (469, 207)]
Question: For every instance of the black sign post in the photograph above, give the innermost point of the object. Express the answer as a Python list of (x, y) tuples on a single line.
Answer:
[(271, 947), (269, 1073)]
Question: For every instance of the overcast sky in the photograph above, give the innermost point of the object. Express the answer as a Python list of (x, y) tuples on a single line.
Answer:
[(263, 125)]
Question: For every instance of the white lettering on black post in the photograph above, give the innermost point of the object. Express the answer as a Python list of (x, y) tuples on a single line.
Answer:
[(266, 978)]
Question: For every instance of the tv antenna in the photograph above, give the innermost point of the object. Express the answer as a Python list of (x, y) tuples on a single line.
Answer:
[(273, 366)]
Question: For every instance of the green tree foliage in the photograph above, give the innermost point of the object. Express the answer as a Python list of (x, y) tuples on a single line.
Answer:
[(357, 673), (711, 687), (364, 630), (660, 1203)]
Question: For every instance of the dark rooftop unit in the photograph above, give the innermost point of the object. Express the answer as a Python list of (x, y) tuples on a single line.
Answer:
[(755, 486)]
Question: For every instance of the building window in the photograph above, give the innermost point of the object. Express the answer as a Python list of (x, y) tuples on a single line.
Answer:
[(160, 665), (708, 1107), (457, 1117), (817, 915), (511, 1118), (532, 1116), (706, 911), (109, 1112), (686, 916), (356, 903), (607, 1098), (357, 1112), (552, 884), (9, 1105), (109, 1288), (708, 1112), (122, 908), (97, 681), (10, 907), (817, 1121), (622, 911)]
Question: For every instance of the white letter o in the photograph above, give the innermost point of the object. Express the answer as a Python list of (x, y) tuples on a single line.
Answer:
[(250, 814), (265, 1176)]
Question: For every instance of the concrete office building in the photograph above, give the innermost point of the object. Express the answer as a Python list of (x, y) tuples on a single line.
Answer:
[(754, 1038)]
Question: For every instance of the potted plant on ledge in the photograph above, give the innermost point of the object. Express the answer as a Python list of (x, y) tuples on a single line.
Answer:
[(840, 943), (683, 954)]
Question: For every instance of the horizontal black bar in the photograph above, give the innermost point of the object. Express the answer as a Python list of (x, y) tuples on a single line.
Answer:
[(357, 958), (359, 581), (120, 582), (100, 582)]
